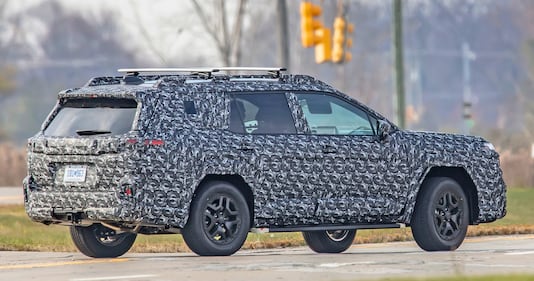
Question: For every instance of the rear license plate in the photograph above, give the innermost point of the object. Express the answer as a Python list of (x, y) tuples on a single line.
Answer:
[(74, 174)]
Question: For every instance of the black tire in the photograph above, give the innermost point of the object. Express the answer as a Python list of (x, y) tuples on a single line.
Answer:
[(329, 241), (441, 215), (219, 220), (98, 241)]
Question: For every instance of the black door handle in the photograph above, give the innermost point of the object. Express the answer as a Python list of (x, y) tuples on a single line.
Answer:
[(329, 149), (246, 147)]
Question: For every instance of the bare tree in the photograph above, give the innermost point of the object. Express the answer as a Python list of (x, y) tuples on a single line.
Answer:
[(215, 20), (7, 80), (524, 18), (7, 72), (158, 52)]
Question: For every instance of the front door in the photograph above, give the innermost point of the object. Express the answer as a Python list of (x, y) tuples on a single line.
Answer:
[(357, 182)]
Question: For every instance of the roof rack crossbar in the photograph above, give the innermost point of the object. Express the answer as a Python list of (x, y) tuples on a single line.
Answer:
[(207, 72)]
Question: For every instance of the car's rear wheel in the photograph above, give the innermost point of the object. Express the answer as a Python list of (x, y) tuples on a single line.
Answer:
[(329, 241), (98, 241), (219, 220), (441, 215)]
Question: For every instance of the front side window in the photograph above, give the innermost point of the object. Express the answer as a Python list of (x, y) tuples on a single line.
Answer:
[(93, 116), (328, 115), (260, 113)]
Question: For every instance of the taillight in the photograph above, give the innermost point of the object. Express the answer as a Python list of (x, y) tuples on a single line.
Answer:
[(127, 187), (154, 142), (37, 145), (128, 190)]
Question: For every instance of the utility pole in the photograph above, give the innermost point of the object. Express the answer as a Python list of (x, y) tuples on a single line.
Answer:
[(399, 63), (467, 57), (283, 34)]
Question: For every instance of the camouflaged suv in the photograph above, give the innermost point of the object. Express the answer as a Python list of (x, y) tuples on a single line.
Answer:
[(214, 156)]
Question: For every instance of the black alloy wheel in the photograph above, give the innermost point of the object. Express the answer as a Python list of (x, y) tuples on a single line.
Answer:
[(441, 215), (448, 215), (219, 220), (98, 241), (329, 241)]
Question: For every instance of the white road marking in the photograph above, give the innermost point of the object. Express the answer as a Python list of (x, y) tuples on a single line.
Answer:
[(520, 253), (498, 265), (125, 277), (335, 265), (61, 263), (484, 265)]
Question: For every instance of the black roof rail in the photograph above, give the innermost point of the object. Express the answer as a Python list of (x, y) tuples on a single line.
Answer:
[(136, 71), (206, 72), (275, 71)]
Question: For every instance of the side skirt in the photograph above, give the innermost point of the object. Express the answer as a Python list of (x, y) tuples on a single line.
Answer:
[(326, 227)]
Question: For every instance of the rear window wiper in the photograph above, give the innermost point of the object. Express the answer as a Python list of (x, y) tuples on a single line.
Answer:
[(92, 132)]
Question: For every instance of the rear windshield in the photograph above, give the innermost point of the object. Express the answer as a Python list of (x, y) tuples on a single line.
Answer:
[(93, 116)]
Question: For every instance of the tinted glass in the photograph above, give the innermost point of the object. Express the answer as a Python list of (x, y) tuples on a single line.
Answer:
[(96, 116), (264, 113), (328, 115)]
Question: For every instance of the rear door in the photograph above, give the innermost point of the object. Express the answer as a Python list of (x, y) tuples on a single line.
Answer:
[(81, 156), (272, 157)]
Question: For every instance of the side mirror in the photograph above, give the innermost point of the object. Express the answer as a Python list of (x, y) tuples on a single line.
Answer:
[(384, 128)]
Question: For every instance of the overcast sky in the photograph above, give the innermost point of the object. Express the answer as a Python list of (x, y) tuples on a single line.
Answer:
[(165, 27)]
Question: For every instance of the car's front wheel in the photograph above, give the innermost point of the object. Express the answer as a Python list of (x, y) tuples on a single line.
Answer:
[(219, 220), (329, 241), (441, 215), (98, 241)]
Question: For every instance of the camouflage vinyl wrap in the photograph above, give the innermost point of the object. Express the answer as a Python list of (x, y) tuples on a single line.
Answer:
[(292, 180)]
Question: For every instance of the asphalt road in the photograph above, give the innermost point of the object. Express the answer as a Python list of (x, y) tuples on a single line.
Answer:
[(504, 254), (488, 255), (11, 195)]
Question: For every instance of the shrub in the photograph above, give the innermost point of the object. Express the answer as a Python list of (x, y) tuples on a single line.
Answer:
[(12, 164), (517, 168)]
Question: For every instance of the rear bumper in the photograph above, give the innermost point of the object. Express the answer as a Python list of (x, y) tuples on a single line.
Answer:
[(109, 191), (61, 207)]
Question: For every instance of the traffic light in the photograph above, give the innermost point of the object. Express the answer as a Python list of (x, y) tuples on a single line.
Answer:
[(323, 49), (411, 114), (342, 42), (467, 109), (309, 23)]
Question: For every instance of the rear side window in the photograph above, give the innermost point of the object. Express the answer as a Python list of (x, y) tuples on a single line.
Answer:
[(261, 113), (93, 116)]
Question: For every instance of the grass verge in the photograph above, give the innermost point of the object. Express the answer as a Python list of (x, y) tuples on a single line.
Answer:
[(17, 232)]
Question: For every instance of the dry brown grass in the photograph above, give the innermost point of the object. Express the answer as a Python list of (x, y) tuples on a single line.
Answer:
[(517, 167), (17, 232), (12, 164), (279, 240), (484, 230)]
